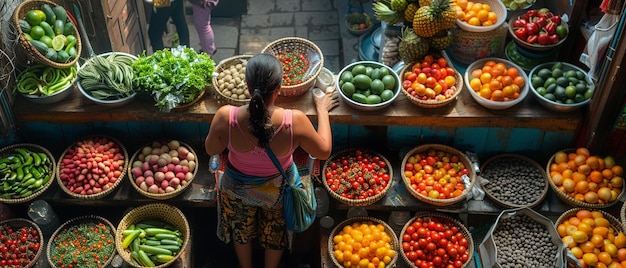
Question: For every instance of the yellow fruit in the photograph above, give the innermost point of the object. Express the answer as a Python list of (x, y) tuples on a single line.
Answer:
[(620, 240)]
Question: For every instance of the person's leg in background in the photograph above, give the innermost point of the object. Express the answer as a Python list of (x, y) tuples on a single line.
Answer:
[(178, 17), (202, 23), (158, 24)]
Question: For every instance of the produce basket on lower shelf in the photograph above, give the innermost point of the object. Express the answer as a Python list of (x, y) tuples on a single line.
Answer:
[(158, 215), (513, 181), (86, 241), (305, 54), (16, 158), (432, 223), (16, 228), (163, 169), (33, 52), (230, 82), (341, 181), (383, 245), (430, 186), (92, 168), (563, 173)]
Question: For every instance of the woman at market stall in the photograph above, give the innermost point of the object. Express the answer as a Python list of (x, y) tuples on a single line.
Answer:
[(250, 203)]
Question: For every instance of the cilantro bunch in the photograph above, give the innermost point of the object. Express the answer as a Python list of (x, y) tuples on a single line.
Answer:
[(173, 76)]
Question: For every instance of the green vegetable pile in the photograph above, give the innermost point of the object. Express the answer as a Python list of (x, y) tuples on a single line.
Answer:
[(86, 244), (173, 76)]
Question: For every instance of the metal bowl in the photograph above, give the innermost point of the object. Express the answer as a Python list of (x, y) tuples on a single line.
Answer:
[(54, 98), (108, 103), (362, 106), (556, 106), (496, 6), (495, 105)]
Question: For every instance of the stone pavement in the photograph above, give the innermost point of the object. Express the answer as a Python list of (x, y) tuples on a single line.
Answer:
[(320, 21)]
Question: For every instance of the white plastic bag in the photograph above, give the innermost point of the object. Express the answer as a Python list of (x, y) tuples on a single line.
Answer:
[(598, 43)]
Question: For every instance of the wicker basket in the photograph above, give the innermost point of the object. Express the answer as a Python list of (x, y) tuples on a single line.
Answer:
[(300, 45), (615, 223), (50, 167), (433, 103), (89, 219), (163, 212), (395, 244), (447, 149), (572, 201), (519, 180), (184, 106), (17, 223), (31, 52), (224, 65), (163, 196), (103, 192), (357, 202), (458, 224)]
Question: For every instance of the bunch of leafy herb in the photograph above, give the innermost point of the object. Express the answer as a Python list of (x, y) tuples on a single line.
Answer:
[(173, 76)]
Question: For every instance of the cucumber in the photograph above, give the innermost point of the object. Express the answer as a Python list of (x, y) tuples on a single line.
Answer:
[(68, 28), (50, 16), (47, 29), (51, 54), (60, 12), (59, 27), (24, 26), (62, 56), (40, 46)]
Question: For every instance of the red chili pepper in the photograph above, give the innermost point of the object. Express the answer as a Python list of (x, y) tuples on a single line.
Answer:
[(541, 22), (531, 39), (532, 28), (550, 28), (543, 39), (554, 38), (519, 23), (532, 13), (556, 19), (521, 33)]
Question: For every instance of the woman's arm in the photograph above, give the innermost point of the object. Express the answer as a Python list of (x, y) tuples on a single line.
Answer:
[(217, 139), (317, 143)]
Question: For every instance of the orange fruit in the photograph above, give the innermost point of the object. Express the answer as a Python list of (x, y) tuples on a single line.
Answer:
[(582, 187), (584, 169), (583, 214), (604, 222), (600, 230), (610, 248), (577, 252), (597, 240), (568, 241), (617, 170), (605, 258), (560, 157), (593, 162), (620, 240), (587, 247), (563, 166), (590, 259), (596, 176), (580, 160), (621, 254), (591, 197), (583, 151), (569, 185), (604, 193)]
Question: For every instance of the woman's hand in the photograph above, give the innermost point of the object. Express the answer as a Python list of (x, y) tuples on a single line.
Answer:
[(327, 102)]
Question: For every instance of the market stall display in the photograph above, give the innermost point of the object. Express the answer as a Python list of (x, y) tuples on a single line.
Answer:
[(85, 241), (363, 241), (431, 82), (163, 169), (496, 83), (47, 33), (302, 62), (156, 215), (92, 167), (513, 181), (585, 180), (437, 174), (368, 85), (561, 86), (29, 243), (437, 240), (107, 79), (26, 172)]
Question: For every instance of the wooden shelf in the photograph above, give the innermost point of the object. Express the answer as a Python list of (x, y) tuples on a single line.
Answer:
[(464, 112)]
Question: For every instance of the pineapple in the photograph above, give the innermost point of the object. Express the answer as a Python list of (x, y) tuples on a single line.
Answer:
[(399, 5), (441, 40), (424, 3), (383, 12), (412, 48), (409, 12), (439, 15)]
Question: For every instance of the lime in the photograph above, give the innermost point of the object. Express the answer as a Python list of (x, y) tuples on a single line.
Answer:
[(542, 91), (373, 99), (362, 81), (346, 76), (34, 17), (58, 42), (37, 32), (358, 69), (70, 39), (46, 40), (348, 89), (386, 95), (376, 74), (377, 86), (570, 92), (389, 81), (368, 71), (556, 73), (537, 81)]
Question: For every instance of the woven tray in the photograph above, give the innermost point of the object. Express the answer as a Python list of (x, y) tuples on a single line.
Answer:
[(17, 223), (299, 45), (104, 192), (164, 196), (439, 202), (462, 229), (615, 223), (569, 200), (31, 52), (356, 202), (161, 211), (50, 168), (433, 103), (184, 106), (224, 65), (395, 244), (76, 221), (539, 196)]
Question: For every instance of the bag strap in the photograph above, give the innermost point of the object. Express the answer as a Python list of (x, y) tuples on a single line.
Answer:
[(272, 156)]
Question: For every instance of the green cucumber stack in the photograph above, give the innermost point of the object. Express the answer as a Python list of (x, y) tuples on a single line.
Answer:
[(51, 32)]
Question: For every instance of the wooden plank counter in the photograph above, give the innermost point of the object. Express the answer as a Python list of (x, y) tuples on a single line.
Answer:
[(464, 112)]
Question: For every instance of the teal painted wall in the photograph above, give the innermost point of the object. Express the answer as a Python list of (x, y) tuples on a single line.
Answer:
[(484, 141)]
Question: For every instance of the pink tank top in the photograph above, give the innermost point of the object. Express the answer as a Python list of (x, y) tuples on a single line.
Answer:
[(256, 161)]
